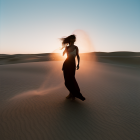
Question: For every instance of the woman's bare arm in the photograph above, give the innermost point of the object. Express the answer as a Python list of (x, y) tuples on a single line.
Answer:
[(78, 57)]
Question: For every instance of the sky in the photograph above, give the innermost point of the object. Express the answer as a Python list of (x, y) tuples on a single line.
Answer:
[(35, 26)]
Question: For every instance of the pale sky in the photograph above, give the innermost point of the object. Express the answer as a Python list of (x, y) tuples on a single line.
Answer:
[(35, 26)]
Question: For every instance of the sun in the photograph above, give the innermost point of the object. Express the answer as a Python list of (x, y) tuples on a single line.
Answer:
[(65, 55), (60, 52)]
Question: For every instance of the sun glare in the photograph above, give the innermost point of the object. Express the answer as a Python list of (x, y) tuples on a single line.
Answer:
[(60, 52), (65, 55)]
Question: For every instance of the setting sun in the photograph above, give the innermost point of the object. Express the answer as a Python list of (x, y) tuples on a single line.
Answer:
[(65, 55)]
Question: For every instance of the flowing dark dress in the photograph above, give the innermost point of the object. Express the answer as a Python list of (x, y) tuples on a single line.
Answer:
[(69, 68)]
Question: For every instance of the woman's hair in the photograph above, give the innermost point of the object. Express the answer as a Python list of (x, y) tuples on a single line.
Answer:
[(67, 39)]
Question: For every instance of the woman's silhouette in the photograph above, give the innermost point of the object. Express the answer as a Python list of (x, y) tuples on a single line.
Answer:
[(69, 67)]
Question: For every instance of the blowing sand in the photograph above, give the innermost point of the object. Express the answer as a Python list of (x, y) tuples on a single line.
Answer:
[(33, 104)]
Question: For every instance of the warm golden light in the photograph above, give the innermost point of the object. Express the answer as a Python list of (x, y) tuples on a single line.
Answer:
[(65, 55), (83, 41), (60, 52)]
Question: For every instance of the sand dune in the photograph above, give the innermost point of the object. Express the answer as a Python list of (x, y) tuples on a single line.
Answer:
[(33, 104)]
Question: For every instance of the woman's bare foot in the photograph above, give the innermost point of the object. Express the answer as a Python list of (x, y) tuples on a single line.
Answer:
[(69, 96)]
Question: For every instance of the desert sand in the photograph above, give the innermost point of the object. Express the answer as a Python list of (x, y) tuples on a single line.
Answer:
[(33, 104)]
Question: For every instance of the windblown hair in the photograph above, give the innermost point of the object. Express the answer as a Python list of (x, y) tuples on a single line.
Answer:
[(66, 40)]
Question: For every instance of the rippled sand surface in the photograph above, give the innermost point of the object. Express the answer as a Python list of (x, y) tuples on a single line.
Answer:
[(33, 104)]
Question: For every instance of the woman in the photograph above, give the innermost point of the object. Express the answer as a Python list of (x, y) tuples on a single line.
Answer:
[(69, 67)]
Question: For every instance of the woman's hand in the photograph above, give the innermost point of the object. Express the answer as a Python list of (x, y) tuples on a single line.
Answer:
[(77, 66)]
